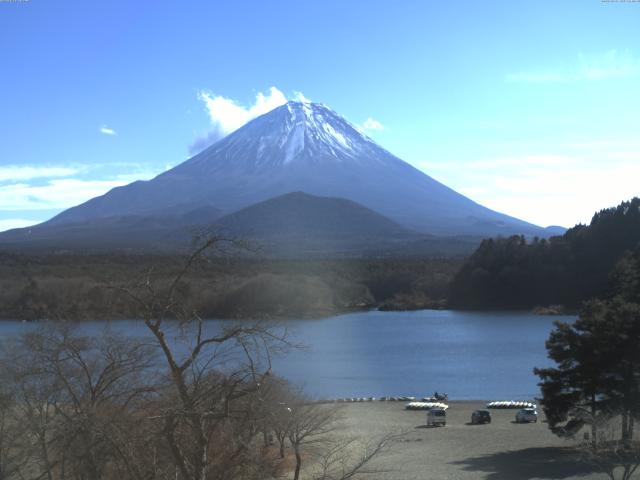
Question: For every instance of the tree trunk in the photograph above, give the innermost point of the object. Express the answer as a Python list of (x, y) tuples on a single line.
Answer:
[(202, 445), (625, 427), (296, 474), (594, 429), (45, 454)]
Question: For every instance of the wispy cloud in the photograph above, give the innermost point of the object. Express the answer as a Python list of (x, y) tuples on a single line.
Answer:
[(16, 173), (56, 193), (44, 188), (371, 124), (522, 161), (107, 131), (299, 97), (226, 115), (514, 162), (611, 64), (561, 189)]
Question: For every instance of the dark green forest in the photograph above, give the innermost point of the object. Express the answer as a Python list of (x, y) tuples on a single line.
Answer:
[(89, 286), (503, 273), (515, 273)]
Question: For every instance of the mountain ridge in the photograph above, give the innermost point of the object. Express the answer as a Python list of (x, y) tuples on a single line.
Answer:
[(305, 147), (297, 147)]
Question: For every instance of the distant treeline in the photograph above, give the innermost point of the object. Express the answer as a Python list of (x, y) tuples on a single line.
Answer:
[(90, 286), (512, 272)]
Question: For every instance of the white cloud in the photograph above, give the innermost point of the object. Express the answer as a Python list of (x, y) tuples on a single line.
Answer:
[(546, 160), (611, 64), (107, 131), (372, 124), (503, 163), (57, 193), (60, 186), (227, 115), (11, 223), (550, 189), (299, 97), (16, 173), (565, 196)]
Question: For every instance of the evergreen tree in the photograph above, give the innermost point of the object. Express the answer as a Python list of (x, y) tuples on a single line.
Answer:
[(567, 270), (598, 361), (573, 393)]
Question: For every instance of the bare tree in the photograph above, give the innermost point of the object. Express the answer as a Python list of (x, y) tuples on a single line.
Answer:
[(73, 395), (309, 427), (209, 374), (13, 455), (193, 400), (350, 458)]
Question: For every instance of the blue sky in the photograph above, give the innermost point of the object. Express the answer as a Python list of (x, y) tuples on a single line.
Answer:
[(528, 107)]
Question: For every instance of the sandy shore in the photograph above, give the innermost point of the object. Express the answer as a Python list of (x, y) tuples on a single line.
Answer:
[(500, 450)]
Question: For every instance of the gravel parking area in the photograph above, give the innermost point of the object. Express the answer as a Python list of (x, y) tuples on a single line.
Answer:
[(500, 450)]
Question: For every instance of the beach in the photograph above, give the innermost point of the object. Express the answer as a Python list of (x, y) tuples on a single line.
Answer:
[(502, 449)]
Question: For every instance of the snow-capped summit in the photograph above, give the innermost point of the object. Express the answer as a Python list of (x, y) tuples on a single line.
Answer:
[(294, 132), (302, 147)]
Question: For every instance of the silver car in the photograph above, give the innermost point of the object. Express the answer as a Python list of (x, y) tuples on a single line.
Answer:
[(436, 417), (527, 415)]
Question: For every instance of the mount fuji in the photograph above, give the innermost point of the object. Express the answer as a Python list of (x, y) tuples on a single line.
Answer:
[(297, 147)]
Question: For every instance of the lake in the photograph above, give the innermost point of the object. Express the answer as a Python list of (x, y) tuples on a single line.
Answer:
[(469, 355)]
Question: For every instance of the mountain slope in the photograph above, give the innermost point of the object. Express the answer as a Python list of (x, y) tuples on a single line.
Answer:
[(302, 147), (299, 215), (294, 225), (161, 231), (299, 225), (302, 225)]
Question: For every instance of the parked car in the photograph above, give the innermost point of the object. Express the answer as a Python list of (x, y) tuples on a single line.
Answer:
[(480, 416), (436, 417), (526, 415)]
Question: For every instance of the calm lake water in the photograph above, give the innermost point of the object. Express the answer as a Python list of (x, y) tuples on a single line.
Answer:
[(469, 355)]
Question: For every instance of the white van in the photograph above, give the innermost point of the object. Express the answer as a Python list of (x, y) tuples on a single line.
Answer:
[(436, 417)]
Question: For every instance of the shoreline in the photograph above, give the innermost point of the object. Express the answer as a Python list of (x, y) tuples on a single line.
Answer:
[(311, 315), (398, 401), (461, 451)]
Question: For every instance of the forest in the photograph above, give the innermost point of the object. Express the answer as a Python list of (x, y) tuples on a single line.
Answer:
[(503, 273), (564, 271), (78, 287)]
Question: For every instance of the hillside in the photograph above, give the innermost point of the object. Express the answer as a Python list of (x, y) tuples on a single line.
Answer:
[(300, 215), (302, 225), (564, 270), (129, 233), (294, 225)]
